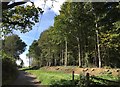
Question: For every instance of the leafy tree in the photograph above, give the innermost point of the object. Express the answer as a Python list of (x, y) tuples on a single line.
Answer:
[(82, 35), (13, 46), (104, 20), (17, 16), (34, 52), (62, 27)]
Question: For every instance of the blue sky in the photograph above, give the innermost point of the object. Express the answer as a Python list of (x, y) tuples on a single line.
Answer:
[(47, 20)]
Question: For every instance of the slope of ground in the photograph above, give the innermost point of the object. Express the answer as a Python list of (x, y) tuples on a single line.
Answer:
[(63, 76), (92, 71)]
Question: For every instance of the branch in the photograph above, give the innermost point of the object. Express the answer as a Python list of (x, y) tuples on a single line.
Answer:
[(5, 5), (16, 4)]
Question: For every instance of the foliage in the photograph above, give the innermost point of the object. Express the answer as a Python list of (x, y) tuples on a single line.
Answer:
[(34, 52), (83, 35), (13, 46), (9, 70), (20, 18)]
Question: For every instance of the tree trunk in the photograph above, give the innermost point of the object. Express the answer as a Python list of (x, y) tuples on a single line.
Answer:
[(38, 62), (49, 63), (98, 46), (41, 61), (95, 58), (55, 62), (66, 52), (62, 57), (29, 61), (50, 57), (79, 52)]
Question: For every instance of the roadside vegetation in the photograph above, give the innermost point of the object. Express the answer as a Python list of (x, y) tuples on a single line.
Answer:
[(59, 78), (12, 47), (14, 16), (48, 77)]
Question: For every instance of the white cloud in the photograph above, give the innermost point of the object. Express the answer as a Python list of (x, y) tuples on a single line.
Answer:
[(55, 6), (29, 3)]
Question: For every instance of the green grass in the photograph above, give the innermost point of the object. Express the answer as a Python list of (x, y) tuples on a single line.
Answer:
[(106, 77), (23, 68), (47, 77)]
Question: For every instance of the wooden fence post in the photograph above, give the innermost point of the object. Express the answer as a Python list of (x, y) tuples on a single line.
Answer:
[(73, 75), (87, 79)]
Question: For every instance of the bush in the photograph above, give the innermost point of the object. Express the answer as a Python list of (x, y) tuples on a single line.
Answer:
[(62, 82), (9, 70)]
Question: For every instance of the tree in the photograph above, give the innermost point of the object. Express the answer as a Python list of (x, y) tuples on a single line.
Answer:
[(62, 26), (13, 46), (6, 5), (22, 63), (34, 52), (104, 20), (84, 34), (17, 17)]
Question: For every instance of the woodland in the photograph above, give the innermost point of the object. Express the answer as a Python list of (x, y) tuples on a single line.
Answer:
[(85, 34)]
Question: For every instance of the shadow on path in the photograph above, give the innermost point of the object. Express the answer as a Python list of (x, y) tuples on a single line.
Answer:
[(25, 78)]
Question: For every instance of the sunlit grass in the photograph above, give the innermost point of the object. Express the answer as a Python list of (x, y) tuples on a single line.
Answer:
[(47, 77)]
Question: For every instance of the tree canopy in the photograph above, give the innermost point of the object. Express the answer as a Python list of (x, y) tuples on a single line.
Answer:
[(84, 34), (13, 46), (17, 16)]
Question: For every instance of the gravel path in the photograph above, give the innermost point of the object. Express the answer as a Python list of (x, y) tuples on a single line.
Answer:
[(25, 78)]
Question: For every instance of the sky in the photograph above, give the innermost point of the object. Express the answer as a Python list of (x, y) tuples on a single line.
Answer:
[(46, 20)]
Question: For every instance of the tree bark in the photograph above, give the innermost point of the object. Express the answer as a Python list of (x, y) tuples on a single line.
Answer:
[(66, 57), (55, 62), (29, 61), (98, 46), (6, 6), (49, 63), (62, 57), (95, 57), (79, 52)]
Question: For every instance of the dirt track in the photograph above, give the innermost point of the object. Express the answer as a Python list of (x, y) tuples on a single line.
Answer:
[(25, 78)]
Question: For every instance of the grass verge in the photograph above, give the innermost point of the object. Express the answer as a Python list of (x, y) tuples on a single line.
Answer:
[(47, 77)]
